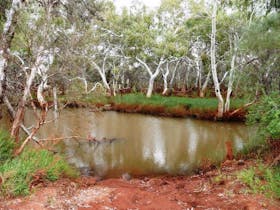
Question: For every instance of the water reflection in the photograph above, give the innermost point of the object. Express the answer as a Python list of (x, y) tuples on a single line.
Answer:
[(144, 145)]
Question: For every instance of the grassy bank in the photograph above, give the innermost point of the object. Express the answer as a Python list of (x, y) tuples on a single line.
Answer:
[(18, 175), (265, 176), (201, 108)]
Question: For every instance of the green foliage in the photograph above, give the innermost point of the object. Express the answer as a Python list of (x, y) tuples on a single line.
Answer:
[(4, 4), (261, 179), (6, 146), (269, 28), (18, 173), (266, 115)]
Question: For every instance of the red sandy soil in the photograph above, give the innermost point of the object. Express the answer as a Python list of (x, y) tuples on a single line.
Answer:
[(202, 191)]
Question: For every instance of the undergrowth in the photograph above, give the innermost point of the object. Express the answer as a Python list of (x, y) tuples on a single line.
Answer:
[(6, 147), (19, 174), (262, 179), (265, 115)]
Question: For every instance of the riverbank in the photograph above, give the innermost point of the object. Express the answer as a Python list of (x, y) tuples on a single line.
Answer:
[(173, 106), (212, 188)]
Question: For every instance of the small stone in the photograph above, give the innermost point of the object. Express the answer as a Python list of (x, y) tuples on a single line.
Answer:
[(126, 176), (240, 162)]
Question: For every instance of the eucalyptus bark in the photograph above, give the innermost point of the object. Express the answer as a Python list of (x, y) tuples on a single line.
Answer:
[(231, 75), (19, 115), (102, 73), (213, 63), (55, 102), (199, 69), (204, 86), (152, 75), (165, 84), (174, 74)]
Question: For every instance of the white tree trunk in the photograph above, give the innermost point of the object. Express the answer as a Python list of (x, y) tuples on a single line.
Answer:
[(102, 74), (45, 59), (95, 86), (165, 84), (173, 75), (104, 80), (199, 69), (204, 86), (3, 64), (55, 102), (187, 77), (150, 87), (152, 75), (213, 63), (115, 87), (231, 75)]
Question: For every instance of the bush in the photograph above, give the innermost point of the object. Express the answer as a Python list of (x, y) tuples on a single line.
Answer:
[(266, 115), (6, 146), (261, 179), (19, 174)]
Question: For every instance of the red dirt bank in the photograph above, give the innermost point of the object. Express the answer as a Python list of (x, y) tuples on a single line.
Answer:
[(157, 110), (171, 193)]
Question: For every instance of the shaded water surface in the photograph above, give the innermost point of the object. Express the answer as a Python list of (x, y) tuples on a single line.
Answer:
[(142, 145)]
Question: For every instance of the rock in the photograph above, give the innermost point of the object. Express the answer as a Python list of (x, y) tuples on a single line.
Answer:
[(240, 162), (107, 107), (126, 176), (211, 173), (86, 171)]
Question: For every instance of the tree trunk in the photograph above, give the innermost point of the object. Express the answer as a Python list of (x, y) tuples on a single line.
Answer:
[(173, 75), (231, 76), (213, 63), (187, 77), (103, 75), (165, 84), (21, 107), (151, 87), (204, 86), (55, 102), (105, 83), (199, 69), (152, 75)]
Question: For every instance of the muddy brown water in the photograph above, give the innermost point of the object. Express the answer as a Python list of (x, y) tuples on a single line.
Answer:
[(139, 144)]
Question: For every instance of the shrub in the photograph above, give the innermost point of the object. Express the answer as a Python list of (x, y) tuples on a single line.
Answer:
[(261, 179), (266, 115), (19, 174), (6, 146)]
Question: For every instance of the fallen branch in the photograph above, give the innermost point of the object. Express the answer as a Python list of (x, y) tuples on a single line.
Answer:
[(35, 129), (243, 107), (63, 138), (26, 141)]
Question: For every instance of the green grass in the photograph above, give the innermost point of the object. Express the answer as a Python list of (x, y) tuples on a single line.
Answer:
[(261, 179), (6, 147), (169, 102), (18, 173)]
